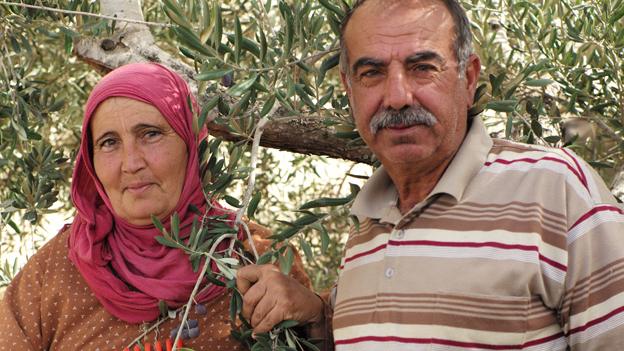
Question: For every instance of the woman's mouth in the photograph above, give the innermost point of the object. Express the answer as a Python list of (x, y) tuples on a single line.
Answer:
[(138, 188)]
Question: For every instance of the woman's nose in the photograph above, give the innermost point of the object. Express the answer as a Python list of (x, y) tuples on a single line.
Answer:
[(133, 158)]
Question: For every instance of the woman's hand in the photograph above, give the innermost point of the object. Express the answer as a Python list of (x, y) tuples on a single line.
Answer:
[(270, 297)]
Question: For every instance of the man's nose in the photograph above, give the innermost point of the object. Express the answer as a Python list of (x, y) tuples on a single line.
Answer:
[(133, 158), (398, 93)]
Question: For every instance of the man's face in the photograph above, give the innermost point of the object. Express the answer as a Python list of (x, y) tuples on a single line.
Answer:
[(404, 86)]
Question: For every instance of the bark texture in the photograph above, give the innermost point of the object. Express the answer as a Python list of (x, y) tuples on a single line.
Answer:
[(135, 43), (304, 134)]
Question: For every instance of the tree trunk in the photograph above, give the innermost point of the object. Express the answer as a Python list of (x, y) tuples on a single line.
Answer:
[(134, 43)]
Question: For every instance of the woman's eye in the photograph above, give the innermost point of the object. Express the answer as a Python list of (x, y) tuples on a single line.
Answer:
[(150, 134), (107, 143)]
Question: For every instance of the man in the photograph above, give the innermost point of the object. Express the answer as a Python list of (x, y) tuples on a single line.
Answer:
[(464, 242)]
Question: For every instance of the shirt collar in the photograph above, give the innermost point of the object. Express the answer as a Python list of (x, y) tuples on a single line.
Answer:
[(378, 197)]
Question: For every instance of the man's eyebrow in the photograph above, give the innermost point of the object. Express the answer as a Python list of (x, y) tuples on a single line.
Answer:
[(425, 56), (417, 57), (366, 61)]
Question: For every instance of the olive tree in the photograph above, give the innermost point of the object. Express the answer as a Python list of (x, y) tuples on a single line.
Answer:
[(266, 71)]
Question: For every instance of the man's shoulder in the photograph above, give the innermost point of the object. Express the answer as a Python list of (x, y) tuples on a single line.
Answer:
[(509, 158), (503, 145), (507, 151)]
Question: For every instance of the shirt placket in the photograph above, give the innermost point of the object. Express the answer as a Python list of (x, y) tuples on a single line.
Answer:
[(392, 268)]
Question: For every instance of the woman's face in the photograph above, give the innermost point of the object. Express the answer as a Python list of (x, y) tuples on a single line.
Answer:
[(138, 158)]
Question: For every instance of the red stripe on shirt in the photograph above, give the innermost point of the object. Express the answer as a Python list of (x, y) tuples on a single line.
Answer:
[(459, 244), (553, 263), (532, 160), (446, 342), (462, 244), (595, 210), (578, 167), (365, 253), (484, 244), (596, 321)]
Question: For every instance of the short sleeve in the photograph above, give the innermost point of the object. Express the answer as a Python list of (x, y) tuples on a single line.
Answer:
[(592, 310)]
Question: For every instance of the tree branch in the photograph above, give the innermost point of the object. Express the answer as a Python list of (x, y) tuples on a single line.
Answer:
[(135, 43), (81, 13), (304, 135)]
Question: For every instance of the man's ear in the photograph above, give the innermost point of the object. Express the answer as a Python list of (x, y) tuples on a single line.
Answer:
[(345, 83), (473, 69)]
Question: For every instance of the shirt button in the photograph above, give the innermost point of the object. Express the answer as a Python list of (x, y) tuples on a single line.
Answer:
[(400, 234), (389, 273)]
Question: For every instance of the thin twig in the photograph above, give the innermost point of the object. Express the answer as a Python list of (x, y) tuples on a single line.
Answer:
[(314, 56), (17, 111), (253, 162), (265, 18), (12, 77), (209, 259), (9, 78), (604, 126), (252, 180), (192, 297), (190, 301), (148, 330), (250, 240), (528, 124), (70, 12), (344, 180)]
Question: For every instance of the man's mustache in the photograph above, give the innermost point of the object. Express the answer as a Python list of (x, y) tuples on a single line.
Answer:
[(405, 117)]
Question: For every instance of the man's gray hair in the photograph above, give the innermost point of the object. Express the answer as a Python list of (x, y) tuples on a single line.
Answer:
[(462, 45)]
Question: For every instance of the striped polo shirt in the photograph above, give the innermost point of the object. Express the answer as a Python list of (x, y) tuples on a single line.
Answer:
[(518, 247)]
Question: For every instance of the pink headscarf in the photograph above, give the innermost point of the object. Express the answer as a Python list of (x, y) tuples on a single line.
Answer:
[(126, 268)]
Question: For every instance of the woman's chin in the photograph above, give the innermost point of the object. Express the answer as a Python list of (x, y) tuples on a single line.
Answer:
[(144, 216)]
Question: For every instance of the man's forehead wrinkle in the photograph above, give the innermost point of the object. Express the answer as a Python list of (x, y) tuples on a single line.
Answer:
[(387, 10), (422, 31), (382, 24), (388, 5)]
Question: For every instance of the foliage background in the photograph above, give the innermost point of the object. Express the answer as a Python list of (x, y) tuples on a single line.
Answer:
[(552, 74)]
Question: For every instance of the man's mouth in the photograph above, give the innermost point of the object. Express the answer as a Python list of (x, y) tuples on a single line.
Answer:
[(399, 126), (404, 125)]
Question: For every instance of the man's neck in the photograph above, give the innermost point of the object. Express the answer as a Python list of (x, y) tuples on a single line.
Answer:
[(413, 184)]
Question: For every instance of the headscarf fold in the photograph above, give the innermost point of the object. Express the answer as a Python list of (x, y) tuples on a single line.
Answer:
[(126, 268)]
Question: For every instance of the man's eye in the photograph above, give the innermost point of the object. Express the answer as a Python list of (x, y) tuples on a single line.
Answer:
[(369, 73), (423, 67)]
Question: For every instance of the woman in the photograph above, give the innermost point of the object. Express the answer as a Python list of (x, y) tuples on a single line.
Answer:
[(97, 285)]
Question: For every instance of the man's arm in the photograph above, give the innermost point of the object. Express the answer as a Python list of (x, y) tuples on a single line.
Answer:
[(592, 309)]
